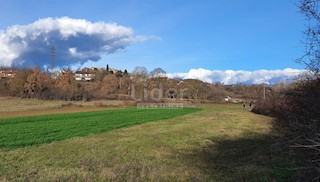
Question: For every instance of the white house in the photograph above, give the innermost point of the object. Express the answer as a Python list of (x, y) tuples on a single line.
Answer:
[(85, 75), (7, 73)]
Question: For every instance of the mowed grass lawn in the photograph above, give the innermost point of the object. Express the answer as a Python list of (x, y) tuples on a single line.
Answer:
[(217, 143)]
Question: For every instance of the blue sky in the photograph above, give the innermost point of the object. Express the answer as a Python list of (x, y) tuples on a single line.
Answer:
[(210, 34)]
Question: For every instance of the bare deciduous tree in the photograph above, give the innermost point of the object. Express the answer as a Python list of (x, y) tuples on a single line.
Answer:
[(38, 84), (157, 72), (18, 82), (140, 73), (110, 84), (68, 85), (311, 10)]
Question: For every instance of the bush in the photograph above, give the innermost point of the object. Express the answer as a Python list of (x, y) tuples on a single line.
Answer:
[(298, 114), (272, 106)]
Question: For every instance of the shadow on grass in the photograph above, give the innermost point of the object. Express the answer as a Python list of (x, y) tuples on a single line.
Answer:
[(254, 157)]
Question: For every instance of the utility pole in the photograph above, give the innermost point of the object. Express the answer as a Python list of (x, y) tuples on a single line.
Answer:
[(52, 59), (264, 91)]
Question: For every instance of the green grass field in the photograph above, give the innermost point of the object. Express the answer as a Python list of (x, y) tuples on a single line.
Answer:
[(219, 143), (26, 131)]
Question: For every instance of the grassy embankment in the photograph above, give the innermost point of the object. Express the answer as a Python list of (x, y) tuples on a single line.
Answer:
[(11, 107), (12, 104), (219, 143)]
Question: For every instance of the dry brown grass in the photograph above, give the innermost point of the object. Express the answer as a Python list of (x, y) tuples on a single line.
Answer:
[(51, 111), (10, 106)]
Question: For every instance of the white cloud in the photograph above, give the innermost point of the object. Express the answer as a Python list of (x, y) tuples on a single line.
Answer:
[(76, 41), (245, 77)]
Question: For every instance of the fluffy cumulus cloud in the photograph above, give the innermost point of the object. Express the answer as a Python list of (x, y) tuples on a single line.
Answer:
[(75, 41), (240, 77)]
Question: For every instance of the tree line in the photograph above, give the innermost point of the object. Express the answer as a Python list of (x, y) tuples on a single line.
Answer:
[(138, 85)]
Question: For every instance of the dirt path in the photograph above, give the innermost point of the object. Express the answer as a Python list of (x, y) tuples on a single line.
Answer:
[(51, 111)]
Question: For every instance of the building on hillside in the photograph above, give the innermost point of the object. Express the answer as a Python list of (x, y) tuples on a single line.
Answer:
[(85, 75), (57, 74), (228, 99), (113, 70), (7, 73)]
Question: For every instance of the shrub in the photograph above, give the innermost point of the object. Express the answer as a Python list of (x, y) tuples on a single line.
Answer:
[(297, 111)]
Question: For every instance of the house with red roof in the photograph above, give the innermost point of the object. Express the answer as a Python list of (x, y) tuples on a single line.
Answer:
[(7, 73), (85, 75)]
